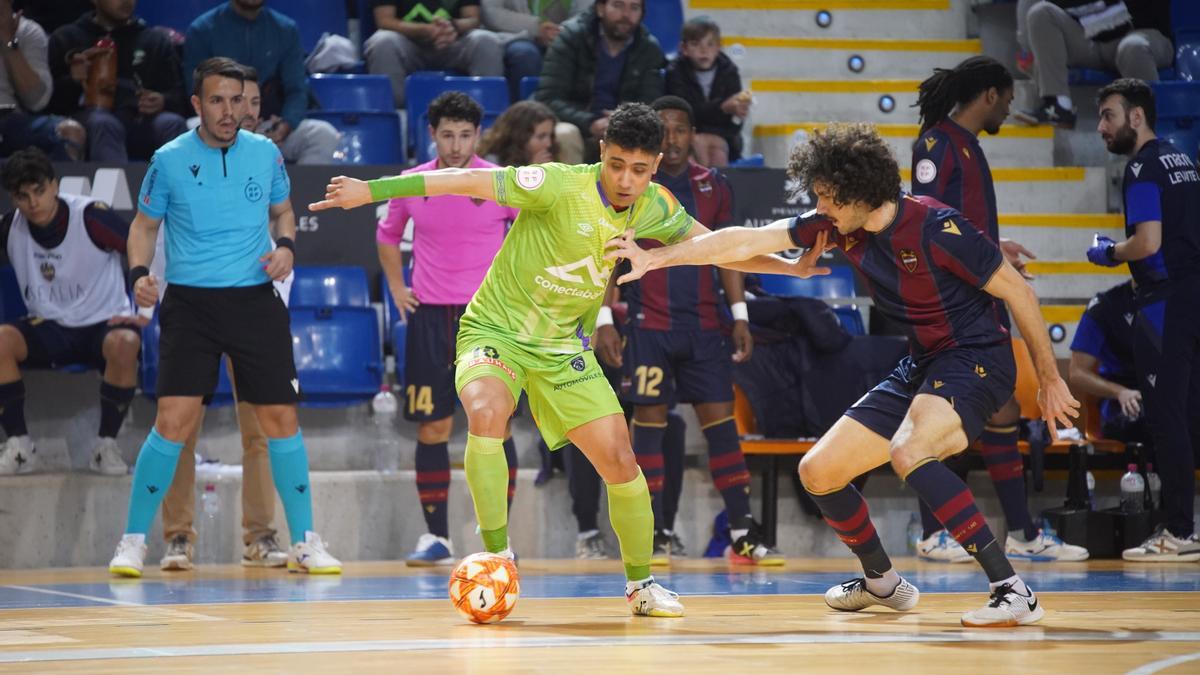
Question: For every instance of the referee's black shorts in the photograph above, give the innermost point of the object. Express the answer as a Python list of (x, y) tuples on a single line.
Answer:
[(250, 324)]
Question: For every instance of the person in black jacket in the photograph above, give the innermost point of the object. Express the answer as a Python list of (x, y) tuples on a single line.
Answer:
[(706, 78), (149, 102)]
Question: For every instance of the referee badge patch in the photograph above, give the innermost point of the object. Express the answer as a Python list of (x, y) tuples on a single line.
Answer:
[(531, 177), (253, 192)]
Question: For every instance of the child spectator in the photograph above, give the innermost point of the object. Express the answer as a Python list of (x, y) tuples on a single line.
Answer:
[(706, 78)]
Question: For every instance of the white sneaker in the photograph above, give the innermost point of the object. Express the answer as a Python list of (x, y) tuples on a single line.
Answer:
[(1044, 548), (431, 550), (853, 595), (1005, 609), (178, 556), (264, 552), (1162, 546), (591, 546), (18, 456), (648, 598), (106, 459), (130, 556), (941, 547), (310, 556)]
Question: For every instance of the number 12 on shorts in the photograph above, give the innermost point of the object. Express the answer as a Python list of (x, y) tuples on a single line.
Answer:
[(648, 379)]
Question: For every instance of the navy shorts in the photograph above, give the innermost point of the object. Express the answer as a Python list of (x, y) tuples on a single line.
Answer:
[(664, 367), (53, 345), (429, 362), (975, 380)]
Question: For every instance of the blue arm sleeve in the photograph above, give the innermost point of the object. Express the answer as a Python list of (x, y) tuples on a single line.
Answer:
[(1143, 203), (1089, 337)]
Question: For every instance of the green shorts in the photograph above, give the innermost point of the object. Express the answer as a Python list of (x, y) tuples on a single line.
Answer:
[(565, 390)]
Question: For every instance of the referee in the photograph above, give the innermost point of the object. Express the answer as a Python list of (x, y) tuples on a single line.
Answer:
[(217, 189)]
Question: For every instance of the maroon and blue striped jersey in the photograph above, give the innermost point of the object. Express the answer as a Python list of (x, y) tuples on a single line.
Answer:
[(686, 297), (926, 270), (948, 164)]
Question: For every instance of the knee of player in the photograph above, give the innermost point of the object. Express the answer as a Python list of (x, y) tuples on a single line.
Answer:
[(814, 475), (11, 341), (485, 415), (435, 431), (1008, 415), (122, 346), (905, 456)]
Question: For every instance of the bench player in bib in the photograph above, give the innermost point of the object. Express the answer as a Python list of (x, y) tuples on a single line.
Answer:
[(936, 275), (529, 326)]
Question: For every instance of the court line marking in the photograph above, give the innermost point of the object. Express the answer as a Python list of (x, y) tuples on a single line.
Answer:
[(1033, 634), (1155, 666), (77, 596)]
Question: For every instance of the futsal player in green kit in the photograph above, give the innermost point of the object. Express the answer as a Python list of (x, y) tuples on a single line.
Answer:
[(529, 324)]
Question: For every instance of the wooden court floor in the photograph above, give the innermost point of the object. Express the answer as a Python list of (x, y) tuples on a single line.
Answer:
[(1102, 617)]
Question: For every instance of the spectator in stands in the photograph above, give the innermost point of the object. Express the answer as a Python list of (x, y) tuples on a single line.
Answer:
[(51, 14), (599, 60), (1161, 193), (417, 35), (1129, 36), (309, 142), (1102, 363), (454, 241), (523, 134), (529, 27), (707, 79), (269, 42), (25, 87), (66, 252), (146, 109)]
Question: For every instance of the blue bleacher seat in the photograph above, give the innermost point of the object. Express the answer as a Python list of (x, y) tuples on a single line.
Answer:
[(1187, 140), (367, 137), (337, 352), (838, 284), (421, 88), (353, 93), (664, 20), (332, 286), (1178, 105), (312, 17), (1187, 62), (850, 318), (529, 85), (755, 161), (12, 304), (394, 332)]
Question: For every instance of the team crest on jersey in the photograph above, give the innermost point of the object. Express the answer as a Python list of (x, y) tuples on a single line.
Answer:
[(704, 186), (531, 177), (584, 229), (48, 271), (909, 258), (578, 364), (487, 352), (253, 191), (930, 141)]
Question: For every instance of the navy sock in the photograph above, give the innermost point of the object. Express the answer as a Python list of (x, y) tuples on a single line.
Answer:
[(846, 512), (729, 473), (12, 408), (954, 505), (674, 449), (1007, 471), (433, 485), (929, 522), (584, 485), (114, 403), (510, 453), (648, 448)]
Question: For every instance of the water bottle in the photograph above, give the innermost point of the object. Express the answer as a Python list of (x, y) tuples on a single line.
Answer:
[(1091, 486), (1155, 484), (914, 532), (210, 524), (383, 409), (1132, 490)]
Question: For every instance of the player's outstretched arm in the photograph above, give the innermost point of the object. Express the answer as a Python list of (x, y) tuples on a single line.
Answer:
[(739, 248), (1054, 397), (348, 193)]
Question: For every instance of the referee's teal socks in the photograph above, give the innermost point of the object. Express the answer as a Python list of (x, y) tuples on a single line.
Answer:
[(289, 468), (152, 475)]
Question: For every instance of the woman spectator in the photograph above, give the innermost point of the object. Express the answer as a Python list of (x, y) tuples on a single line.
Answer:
[(523, 134)]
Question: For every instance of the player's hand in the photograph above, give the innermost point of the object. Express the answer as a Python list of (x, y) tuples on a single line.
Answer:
[(145, 291), (547, 31), (1057, 404), (625, 246), (806, 266), (406, 301), (1101, 252), (608, 345), (1131, 403), (278, 263), (743, 341), (345, 193), (136, 320), (1012, 253)]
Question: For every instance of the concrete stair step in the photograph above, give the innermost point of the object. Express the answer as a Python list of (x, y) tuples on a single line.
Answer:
[(1046, 189), (850, 18), (1059, 237), (1014, 146), (781, 57), (784, 101)]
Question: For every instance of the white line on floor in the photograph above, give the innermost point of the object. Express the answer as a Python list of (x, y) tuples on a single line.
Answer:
[(1156, 666)]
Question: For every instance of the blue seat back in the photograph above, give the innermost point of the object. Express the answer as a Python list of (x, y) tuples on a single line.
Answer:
[(664, 20), (838, 284), (367, 137), (1187, 62), (755, 161), (148, 367), (850, 318), (1187, 140), (420, 89), (1178, 105), (337, 352), (330, 286), (529, 85), (12, 303), (391, 315), (353, 93)]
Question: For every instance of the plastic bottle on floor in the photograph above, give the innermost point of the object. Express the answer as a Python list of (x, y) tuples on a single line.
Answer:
[(914, 532), (210, 525), (1133, 490), (387, 443), (1155, 485)]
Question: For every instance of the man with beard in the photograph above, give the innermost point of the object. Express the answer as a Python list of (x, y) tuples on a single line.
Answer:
[(1161, 193), (599, 60)]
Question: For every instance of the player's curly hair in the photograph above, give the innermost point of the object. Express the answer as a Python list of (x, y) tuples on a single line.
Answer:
[(635, 126), (454, 105), (851, 160)]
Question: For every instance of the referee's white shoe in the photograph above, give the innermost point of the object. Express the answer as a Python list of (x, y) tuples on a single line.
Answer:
[(17, 455), (310, 556)]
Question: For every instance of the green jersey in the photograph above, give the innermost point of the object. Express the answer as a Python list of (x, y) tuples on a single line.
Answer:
[(547, 282)]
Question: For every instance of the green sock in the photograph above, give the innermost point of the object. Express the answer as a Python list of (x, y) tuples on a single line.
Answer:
[(487, 476), (633, 521)]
